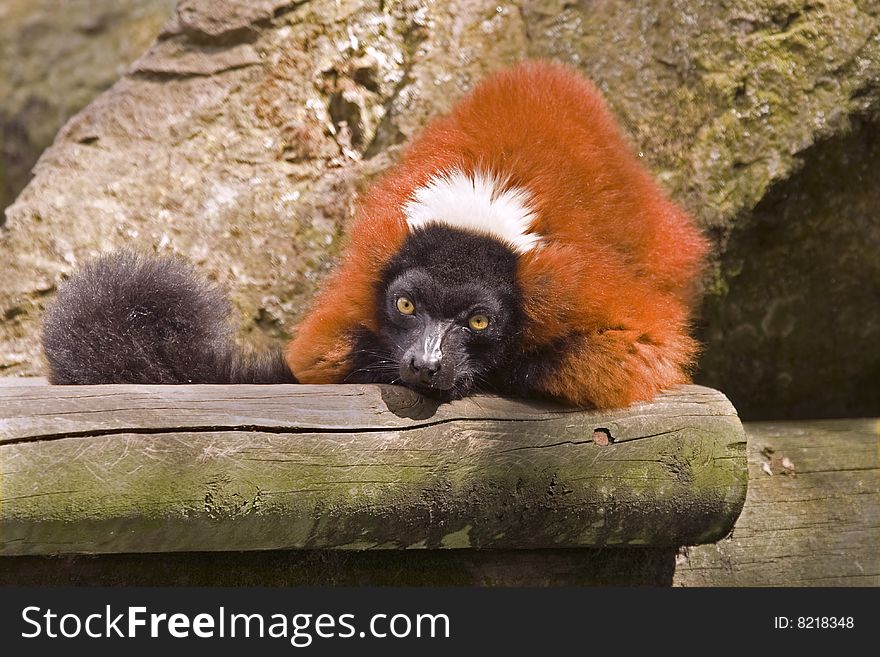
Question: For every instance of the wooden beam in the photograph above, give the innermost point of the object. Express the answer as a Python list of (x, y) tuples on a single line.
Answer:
[(816, 524), (812, 514), (110, 469)]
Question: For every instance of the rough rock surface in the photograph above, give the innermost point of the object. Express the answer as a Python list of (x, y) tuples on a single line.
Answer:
[(243, 136), (55, 57)]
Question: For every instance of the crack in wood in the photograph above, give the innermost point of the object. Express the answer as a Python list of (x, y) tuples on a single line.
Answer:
[(24, 497), (282, 429)]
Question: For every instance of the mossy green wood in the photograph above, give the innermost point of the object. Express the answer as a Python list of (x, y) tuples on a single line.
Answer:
[(812, 514), (814, 523), (104, 469)]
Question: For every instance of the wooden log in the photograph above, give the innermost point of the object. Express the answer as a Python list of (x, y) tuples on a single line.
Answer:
[(815, 525), (812, 514), (110, 469)]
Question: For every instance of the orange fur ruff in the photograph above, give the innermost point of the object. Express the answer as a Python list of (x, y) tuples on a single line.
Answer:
[(615, 273)]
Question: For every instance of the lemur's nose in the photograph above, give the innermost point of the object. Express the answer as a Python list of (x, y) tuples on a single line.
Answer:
[(425, 367)]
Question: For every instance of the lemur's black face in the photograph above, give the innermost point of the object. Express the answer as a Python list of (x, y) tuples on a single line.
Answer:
[(449, 314)]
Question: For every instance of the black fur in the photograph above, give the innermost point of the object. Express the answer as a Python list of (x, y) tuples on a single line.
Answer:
[(449, 275), (126, 318), (520, 376)]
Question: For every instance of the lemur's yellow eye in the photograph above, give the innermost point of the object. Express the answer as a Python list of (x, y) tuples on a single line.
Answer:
[(478, 322), (405, 306)]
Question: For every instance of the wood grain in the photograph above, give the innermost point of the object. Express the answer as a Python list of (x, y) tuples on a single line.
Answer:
[(111, 469), (816, 523)]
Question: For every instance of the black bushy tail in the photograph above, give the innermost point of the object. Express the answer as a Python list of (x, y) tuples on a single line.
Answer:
[(127, 318)]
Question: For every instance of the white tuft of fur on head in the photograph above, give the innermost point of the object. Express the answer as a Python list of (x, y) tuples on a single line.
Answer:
[(477, 203)]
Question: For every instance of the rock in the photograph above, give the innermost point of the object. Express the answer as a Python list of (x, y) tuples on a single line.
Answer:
[(55, 57), (794, 331), (241, 139)]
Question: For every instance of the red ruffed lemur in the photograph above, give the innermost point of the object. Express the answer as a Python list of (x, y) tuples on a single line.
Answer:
[(518, 247)]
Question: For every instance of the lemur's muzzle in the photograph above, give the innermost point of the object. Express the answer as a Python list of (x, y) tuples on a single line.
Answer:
[(424, 363)]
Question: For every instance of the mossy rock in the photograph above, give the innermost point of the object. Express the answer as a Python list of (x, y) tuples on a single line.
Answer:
[(55, 57)]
